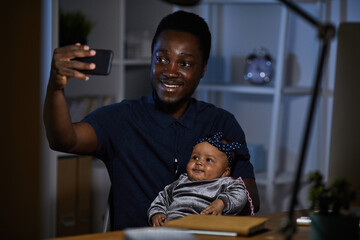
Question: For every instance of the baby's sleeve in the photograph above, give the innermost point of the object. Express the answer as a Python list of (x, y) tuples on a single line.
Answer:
[(234, 197)]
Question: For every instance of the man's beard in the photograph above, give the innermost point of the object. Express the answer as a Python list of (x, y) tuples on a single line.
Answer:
[(169, 106)]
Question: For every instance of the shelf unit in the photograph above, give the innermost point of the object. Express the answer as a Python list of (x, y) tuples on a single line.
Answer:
[(274, 94), (268, 178)]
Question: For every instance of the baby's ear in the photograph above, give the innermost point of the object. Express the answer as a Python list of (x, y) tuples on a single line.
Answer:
[(226, 172)]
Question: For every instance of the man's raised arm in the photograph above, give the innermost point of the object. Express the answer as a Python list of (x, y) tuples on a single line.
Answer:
[(62, 134)]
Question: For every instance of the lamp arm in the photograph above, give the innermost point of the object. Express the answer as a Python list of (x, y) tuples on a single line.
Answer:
[(325, 33), (289, 226), (291, 5)]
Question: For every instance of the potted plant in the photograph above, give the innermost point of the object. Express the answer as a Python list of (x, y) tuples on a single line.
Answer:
[(74, 27), (330, 217)]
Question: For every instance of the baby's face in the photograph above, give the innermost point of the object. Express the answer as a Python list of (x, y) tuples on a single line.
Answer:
[(207, 162)]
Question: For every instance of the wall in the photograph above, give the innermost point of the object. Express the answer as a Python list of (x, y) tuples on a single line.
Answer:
[(20, 120), (105, 35)]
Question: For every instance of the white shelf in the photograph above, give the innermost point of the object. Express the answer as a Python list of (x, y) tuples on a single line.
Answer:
[(133, 62), (297, 90), (281, 178), (262, 90), (303, 91), (137, 62), (239, 1), (252, 1)]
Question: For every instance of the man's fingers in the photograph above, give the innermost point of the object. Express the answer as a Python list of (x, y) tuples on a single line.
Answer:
[(71, 68), (81, 65), (71, 73), (73, 51)]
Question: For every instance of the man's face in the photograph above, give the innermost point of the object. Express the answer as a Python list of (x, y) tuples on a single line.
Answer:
[(176, 67), (207, 162)]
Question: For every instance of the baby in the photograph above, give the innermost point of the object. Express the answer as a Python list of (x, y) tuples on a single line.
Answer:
[(206, 188)]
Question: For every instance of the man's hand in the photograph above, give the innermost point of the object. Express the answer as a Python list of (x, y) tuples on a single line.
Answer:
[(158, 220), (63, 67), (215, 208)]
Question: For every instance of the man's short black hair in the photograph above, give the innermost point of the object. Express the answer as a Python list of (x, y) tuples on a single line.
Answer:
[(187, 22)]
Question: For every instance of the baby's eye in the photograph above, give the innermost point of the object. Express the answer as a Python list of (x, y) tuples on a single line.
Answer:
[(195, 158), (209, 160)]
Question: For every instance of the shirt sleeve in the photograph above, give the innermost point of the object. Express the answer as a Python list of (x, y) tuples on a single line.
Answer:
[(161, 202), (234, 197), (243, 169)]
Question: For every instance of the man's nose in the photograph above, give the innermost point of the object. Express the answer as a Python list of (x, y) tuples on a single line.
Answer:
[(172, 70)]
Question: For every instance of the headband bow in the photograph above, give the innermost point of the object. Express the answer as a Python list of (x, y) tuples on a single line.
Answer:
[(215, 140)]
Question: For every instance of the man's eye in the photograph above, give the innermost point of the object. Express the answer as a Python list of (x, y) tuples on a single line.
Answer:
[(185, 64), (161, 59)]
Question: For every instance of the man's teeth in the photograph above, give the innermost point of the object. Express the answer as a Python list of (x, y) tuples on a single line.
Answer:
[(170, 85)]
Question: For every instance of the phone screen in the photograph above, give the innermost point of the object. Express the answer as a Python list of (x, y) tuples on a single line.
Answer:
[(102, 59)]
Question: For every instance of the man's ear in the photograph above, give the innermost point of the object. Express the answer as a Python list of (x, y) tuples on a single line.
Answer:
[(203, 71), (226, 172)]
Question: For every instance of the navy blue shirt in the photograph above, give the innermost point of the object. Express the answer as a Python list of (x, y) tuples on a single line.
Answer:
[(139, 144)]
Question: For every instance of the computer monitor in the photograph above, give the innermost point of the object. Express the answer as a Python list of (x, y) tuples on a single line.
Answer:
[(345, 131)]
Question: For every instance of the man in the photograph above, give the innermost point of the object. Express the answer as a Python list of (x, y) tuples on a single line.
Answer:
[(146, 143)]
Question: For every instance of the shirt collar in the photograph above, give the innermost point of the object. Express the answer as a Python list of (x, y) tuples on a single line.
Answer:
[(165, 120)]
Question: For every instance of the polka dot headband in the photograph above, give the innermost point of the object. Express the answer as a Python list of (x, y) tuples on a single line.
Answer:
[(215, 140)]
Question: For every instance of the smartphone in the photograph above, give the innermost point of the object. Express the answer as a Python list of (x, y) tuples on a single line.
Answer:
[(102, 59)]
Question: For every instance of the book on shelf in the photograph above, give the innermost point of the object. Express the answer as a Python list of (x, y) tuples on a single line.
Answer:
[(219, 224)]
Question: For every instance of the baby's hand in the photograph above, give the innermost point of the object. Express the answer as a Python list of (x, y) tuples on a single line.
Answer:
[(215, 208), (158, 220)]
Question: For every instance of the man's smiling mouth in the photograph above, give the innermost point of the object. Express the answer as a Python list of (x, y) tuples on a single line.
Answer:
[(171, 85)]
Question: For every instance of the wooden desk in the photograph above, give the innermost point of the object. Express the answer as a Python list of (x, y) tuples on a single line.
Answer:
[(272, 226)]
